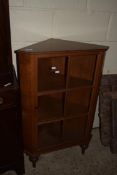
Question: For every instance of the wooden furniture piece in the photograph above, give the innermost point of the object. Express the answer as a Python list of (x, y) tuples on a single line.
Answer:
[(59, 83), (11, 150), (108, 111)]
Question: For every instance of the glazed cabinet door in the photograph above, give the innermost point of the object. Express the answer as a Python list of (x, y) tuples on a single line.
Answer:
[(64, 93), (80, 80)]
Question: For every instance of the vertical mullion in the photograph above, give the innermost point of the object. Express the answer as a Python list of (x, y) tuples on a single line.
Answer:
[(67, 67), (67, 63)]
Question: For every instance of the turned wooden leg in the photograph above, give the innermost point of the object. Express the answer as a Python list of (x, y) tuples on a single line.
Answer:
[(33, 159), (84, 147)]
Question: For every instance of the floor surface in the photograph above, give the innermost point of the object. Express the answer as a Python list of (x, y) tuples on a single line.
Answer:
[(98, 160)]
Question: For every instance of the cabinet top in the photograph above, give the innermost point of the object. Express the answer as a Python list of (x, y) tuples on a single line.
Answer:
[(56, 45)]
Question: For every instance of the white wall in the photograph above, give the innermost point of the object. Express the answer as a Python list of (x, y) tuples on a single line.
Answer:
[(92, 21)]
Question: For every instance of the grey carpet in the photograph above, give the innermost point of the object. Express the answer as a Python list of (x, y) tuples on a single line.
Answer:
[(98, 160)]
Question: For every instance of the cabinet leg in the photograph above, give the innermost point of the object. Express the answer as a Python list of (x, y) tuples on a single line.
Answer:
[(33, 159), (84, 147)]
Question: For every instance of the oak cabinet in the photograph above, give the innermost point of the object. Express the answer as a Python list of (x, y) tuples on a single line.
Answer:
[(59, 82)]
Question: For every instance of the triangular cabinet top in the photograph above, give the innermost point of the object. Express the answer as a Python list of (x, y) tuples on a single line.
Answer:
[(59, 45)]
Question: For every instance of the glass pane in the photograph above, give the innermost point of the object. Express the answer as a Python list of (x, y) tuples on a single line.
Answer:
[(51, 73), (73, 129), (78, 101), (50, 107), (49, 135), (81, 71)]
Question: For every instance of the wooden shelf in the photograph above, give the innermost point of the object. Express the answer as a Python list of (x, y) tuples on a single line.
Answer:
[(55, 119), (51, 109), (49, 92), (74, 83)]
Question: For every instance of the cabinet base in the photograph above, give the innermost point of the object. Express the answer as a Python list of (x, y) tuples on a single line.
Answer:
[(34, 160), (83, 147)]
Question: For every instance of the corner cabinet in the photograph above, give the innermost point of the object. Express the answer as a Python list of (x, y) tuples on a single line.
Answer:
[(59, 83)]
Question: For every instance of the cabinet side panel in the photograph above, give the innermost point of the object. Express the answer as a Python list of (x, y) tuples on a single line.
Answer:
[(95, 90), (26, 74)]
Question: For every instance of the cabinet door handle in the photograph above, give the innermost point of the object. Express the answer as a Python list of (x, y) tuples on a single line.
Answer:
[(1, 100), (57, 72), (53, 68)]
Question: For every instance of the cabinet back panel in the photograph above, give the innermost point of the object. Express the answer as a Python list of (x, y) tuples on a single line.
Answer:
[(82, 67), (49, 134), (50, 107), (78, 101), (74, 129)]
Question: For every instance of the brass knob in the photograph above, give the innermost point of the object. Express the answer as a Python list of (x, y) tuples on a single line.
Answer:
[(57, 72), (53, 68)]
